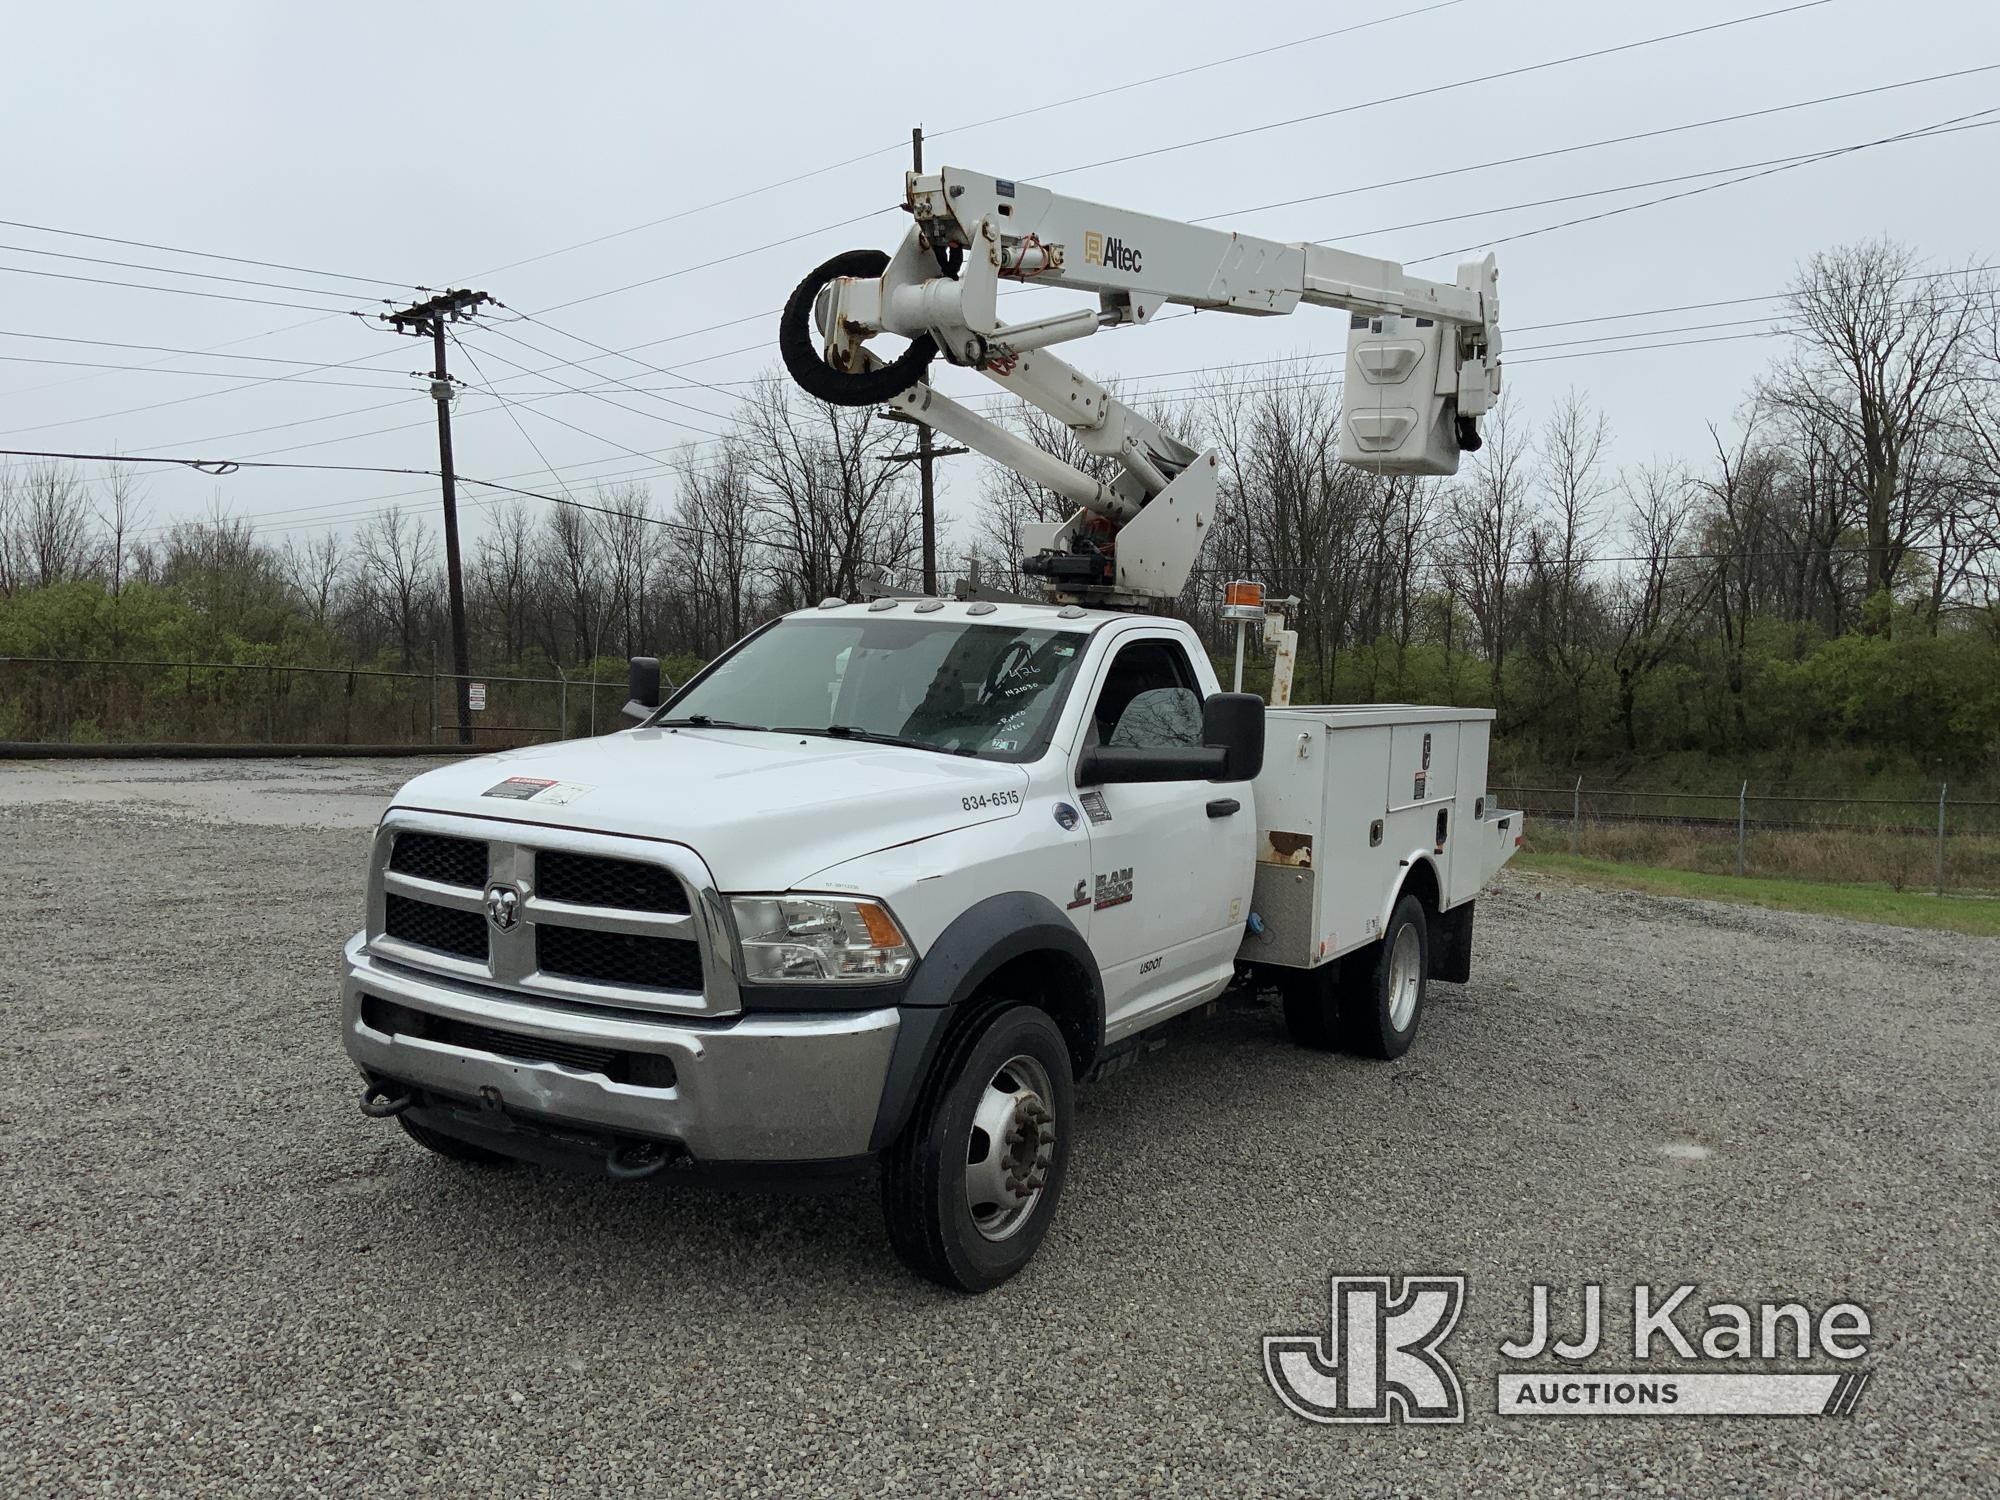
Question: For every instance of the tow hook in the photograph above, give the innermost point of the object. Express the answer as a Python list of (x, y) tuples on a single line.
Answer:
[(631, 1161), (378, 1103)]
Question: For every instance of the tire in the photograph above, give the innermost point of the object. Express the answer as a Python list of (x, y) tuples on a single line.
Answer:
[(955, 1213), (1312, 1006), (451, 1146), (1385, 1000), (798, 343)]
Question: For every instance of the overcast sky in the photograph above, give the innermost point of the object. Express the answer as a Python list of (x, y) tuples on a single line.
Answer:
[(460, 146)]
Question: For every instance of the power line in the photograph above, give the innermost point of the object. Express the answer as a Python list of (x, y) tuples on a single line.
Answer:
[(655, 465), (1612, 140), (720, 260), (200, 396), (346, 512), (1734, 301), (212, 466), (751, 317), (512, 415), (668, 370), (134, 265), (211, 349), (241, 260), (653, 416), (1011, 115), (61, 338), (181, 291), (91, 364), (1453, 171), (1798, 159), (713, 416), (1434, 89), (1093, 96), (1944, 127)]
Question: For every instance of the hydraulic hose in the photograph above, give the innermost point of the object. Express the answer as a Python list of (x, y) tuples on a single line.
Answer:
[(798, 343)]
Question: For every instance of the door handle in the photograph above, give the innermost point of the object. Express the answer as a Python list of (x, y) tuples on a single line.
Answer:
[(1222, 807)]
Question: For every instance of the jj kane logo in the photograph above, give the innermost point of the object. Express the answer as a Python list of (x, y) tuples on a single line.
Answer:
[(1381, 1360), (1112, 253)]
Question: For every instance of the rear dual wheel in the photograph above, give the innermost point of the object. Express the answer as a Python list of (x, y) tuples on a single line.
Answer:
[(1370, 1001)]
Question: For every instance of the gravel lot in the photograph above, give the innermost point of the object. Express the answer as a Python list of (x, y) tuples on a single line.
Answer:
[(217, 1277)]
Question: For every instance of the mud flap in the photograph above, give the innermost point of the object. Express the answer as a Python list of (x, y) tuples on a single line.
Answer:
[(1451, 944)]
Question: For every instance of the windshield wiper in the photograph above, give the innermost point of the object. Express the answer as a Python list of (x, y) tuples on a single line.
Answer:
[(703, 721), (854, 732)]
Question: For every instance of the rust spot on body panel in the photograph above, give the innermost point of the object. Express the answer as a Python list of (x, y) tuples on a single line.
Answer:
[(1276, 847)]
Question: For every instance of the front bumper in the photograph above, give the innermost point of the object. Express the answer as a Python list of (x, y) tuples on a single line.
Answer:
[(778, 1088)]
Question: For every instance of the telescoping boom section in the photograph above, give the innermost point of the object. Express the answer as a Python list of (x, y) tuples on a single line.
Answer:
[(1423, 357)]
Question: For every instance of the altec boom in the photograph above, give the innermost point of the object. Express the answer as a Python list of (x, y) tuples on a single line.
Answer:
[(1423, 357)]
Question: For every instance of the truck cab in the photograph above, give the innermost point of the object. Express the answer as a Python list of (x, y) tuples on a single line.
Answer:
[(875, 890)]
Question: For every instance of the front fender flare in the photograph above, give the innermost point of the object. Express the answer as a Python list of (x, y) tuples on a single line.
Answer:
[(987, 935)]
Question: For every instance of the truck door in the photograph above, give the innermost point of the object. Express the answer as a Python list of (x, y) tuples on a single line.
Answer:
[(1169, 875)]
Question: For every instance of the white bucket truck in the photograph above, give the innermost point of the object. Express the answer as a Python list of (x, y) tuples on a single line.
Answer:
[(878, 887)]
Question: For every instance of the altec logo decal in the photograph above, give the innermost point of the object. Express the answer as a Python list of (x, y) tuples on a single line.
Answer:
[(1113, 252)]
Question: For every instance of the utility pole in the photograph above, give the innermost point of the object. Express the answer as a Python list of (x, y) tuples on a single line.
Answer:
[(430, 318), (923, 455)]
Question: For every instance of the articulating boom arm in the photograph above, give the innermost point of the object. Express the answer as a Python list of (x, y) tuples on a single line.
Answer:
[(1423, 360)]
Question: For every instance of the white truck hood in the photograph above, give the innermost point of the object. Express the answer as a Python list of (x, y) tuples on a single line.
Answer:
[(765, 811)]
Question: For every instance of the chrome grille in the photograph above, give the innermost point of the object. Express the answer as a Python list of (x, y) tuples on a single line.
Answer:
[(460, 933), (598, 919), (587, 880), (618, 957), (432, 856)]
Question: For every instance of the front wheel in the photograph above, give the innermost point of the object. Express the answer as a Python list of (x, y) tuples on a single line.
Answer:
[(970, 1188)]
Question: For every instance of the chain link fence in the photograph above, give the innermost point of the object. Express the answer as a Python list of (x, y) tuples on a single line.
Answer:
[(1933, 842), (1930, 842), (112, 701)]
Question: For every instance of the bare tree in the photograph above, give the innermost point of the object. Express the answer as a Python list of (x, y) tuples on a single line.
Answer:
[(630, 536), (503, 577), (834, 509), (1740, 493), (575, 574), (46, 536), (120, 517), (1486, 516), (1658, 600), (1882, 356), (315, 570), (398, 560), (1565, 608), (716, 522)]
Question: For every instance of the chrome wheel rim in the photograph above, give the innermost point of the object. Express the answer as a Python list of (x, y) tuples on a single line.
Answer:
[(1012, 1147), (1406, 977)]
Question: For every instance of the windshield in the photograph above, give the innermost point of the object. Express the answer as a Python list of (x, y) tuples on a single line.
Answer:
[(987, 690)]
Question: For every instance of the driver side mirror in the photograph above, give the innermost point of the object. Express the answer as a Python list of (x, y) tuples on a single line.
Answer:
[(1234, 723), (1232, 749), (642, 687)]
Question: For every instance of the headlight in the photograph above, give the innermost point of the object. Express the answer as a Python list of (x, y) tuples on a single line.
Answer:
[(818, 940)]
